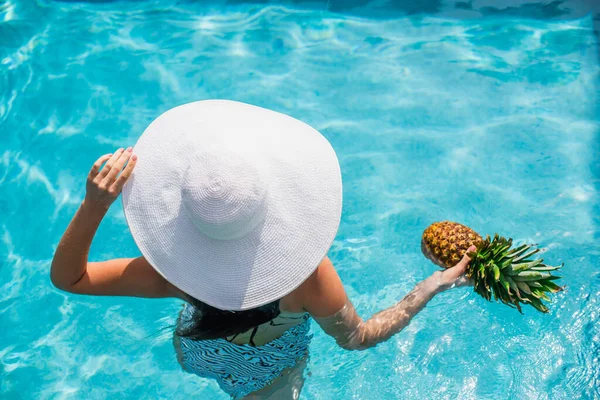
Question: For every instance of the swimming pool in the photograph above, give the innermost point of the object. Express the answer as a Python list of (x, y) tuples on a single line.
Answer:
[(491, 122)]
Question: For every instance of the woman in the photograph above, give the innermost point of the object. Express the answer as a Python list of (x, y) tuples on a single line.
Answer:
[(234, 208)]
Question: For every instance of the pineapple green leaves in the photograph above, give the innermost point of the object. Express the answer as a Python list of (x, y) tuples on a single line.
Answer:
[(510, 276)]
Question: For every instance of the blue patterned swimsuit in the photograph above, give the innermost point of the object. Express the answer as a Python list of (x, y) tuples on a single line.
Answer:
[(241, 369)]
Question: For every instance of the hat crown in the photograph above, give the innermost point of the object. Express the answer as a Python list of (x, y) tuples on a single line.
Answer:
[(224, 192)]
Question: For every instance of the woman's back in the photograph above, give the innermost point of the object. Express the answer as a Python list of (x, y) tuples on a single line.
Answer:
[(291, 313), (266, 359)]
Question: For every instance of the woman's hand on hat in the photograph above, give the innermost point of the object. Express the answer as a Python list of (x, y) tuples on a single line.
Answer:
[(105, 184)]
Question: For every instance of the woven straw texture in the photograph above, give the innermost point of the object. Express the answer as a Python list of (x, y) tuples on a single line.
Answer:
[(234, 204)]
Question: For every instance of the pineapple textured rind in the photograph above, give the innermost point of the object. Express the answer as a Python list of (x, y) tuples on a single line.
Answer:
[(445, 243)]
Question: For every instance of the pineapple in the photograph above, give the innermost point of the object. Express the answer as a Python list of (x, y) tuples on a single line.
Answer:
[(496, 269)]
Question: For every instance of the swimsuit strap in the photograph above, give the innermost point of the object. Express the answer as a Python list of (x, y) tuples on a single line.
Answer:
[(232, 338), (252, 336), (201, 321)]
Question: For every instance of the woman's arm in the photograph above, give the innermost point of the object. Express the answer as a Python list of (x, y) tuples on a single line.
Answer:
[(327, 302), (71, 270), (70, 259)]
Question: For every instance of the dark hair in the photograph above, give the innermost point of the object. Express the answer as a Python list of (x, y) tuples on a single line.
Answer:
[(208, 322)]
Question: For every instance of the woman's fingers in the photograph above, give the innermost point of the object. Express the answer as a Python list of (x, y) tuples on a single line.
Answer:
[(118, 185), (466, 259), (116, 167), (103, 186), (455, 276), (109, 164), (96, 167)]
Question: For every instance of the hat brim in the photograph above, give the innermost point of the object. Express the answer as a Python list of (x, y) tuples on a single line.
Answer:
[(302, 215)]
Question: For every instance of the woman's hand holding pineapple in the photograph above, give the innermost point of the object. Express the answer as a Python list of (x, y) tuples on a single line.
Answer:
[(498, 269), (456, 276)]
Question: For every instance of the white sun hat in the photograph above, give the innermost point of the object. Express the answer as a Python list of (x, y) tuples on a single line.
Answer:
[(234, 204)]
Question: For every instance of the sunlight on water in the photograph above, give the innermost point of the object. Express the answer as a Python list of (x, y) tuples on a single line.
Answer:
[(489, 122)]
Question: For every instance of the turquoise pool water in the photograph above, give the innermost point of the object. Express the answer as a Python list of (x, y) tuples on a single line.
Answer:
[(492, 122)]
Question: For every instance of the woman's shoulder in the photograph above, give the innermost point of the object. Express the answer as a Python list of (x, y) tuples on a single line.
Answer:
[(321, 294), (291, 303)]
